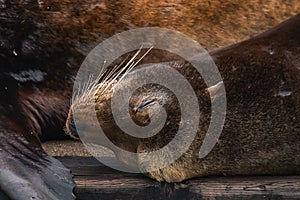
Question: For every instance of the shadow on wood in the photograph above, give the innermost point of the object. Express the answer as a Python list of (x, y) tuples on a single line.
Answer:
[(96, 181)]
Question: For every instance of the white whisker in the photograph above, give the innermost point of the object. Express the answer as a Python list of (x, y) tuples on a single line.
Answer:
[(106, 77), (132, 66), (120, 72)]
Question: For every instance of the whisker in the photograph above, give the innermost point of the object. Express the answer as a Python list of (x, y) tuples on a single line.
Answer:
[(133, 65), (120, 72), (107, 75)]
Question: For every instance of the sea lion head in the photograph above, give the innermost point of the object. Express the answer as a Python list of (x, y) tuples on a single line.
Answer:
[(147, 106), (144, 107)]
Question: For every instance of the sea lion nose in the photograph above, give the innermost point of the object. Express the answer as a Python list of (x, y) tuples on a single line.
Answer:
[(70, 126)]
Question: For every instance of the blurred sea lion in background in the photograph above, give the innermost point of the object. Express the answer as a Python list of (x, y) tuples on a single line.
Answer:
[(42, 44)]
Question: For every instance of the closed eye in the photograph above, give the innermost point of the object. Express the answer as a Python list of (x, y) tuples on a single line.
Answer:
[(144, 105)]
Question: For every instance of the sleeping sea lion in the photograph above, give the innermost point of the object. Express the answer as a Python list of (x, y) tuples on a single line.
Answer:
[(261, 134)]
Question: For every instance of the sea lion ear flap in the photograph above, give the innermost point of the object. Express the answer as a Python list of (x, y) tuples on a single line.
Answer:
[(216, 91)]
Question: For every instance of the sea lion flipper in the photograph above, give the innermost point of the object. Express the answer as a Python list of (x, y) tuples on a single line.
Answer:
[(27, 172), (44, 182)]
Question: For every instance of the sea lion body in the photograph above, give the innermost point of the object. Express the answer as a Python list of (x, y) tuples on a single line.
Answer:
[(261, 134)]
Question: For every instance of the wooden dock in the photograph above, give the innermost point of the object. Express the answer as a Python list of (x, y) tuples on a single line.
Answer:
[(96, 181)]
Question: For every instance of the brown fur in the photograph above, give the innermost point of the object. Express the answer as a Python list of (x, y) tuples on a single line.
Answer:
[(261, 132)]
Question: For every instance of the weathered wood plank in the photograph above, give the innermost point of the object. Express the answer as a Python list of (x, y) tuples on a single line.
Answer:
[(96, 181)]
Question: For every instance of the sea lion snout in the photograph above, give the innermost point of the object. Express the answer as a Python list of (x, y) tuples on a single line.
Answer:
[(70, 128)]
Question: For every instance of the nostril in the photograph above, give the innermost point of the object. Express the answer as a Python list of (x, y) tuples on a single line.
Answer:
[(71, 128)]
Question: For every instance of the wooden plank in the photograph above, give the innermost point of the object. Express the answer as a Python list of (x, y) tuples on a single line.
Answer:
[(96, 181)]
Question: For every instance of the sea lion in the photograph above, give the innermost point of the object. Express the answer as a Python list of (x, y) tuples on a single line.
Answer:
[(42, 44), (33, 104), (261, 135)]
